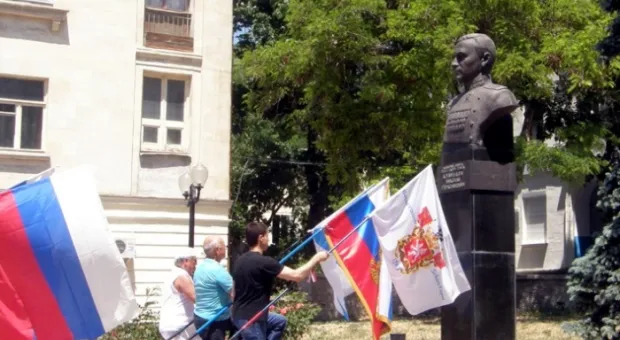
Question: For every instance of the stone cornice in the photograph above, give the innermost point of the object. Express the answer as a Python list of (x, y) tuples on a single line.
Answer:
[(35, 11), (24, 155), (155, 210), (191, 61), (148, 200)]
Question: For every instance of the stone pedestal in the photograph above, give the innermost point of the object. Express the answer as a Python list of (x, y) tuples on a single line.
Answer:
[(477, 195)]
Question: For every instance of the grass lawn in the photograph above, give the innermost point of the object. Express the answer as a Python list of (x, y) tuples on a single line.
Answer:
[(527, 328)]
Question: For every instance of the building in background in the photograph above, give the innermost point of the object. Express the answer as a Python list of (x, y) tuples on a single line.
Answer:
[(555, 223), (139, 89)]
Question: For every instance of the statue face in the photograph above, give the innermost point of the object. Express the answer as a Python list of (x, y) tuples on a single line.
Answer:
[(466, 64)]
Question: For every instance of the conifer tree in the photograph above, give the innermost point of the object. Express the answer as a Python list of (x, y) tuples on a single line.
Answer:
[(594, 279)]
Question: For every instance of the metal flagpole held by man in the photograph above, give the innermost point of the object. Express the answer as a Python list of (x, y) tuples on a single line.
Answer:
[(281, 262), (309, 238), (258, 315)]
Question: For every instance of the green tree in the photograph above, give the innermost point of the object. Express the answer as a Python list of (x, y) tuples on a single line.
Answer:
[(594, 281), (360, 86), (370, 78), (257, 22), (273, 165)]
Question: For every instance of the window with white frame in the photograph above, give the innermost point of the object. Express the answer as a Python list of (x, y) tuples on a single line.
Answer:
[(535, 211), (164, 113), (21, 113)]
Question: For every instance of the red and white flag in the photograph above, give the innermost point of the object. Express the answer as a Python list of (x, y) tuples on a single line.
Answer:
[(418, 248)]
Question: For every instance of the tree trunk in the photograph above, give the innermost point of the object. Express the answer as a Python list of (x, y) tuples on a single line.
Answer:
[(318, 185)]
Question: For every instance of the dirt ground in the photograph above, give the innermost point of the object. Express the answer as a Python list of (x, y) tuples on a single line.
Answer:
[(530, 329)]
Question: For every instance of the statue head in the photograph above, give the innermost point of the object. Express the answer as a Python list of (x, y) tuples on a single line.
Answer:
[(474, 54)]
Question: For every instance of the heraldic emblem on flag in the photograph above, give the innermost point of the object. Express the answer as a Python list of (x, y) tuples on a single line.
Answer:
[(417, 246), (422, 248)]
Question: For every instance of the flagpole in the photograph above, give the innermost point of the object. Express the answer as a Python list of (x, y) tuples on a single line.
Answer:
[(350, 233), (313, 232), (309, 237), (295, 243), (313, 235), (257, 315)]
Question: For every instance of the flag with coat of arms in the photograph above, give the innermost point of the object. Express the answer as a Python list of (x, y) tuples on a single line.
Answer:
[(417, 246)]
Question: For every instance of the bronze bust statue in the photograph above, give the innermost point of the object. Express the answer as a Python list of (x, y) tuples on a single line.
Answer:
[(476, 179), (480, 116)]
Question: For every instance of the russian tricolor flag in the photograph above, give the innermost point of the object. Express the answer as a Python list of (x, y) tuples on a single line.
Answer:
[(359, 257), (14, 322), (64, 270)]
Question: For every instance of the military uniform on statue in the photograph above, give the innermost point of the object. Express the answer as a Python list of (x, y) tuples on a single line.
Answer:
[(479, 117), (476, 180)]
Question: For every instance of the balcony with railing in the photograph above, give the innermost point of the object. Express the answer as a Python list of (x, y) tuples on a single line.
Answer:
[(168, 29)]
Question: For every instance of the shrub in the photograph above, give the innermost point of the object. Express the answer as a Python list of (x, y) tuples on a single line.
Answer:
[(298, 311), (144, 327)]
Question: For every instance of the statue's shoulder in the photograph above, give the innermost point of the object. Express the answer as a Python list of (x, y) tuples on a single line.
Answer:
[(499, 96)]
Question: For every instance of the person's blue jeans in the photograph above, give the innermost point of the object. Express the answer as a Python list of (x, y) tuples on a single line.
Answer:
[(273, 329)]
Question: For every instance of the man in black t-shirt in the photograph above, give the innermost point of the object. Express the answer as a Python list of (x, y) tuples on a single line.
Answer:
[(253, 276)]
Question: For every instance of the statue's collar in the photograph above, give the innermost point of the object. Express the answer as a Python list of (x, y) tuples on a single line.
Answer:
[(479, 81)]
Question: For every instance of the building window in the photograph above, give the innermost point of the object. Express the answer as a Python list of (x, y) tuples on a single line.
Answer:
[(168, 25), (535, 209), (164, 113), (21, 113)]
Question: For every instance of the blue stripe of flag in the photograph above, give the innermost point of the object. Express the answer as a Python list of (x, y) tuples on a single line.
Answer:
[(356, 213), (53, 247), (320, 240)]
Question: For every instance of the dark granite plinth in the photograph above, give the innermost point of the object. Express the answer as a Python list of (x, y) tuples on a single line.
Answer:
[(480, 215), (480, 220), (487, 311)]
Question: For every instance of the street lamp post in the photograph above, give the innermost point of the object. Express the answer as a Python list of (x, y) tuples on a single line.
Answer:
[(190, 184)]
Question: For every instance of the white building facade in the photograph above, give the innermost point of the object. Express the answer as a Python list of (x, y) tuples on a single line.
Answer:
[(555, 222), (139, 89)]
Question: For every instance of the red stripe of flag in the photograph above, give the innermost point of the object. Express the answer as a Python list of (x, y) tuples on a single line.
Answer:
[(20, 265), (356, 258), (14, 321)]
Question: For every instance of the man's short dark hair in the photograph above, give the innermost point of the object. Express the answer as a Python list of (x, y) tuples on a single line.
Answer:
[(252, 231)]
